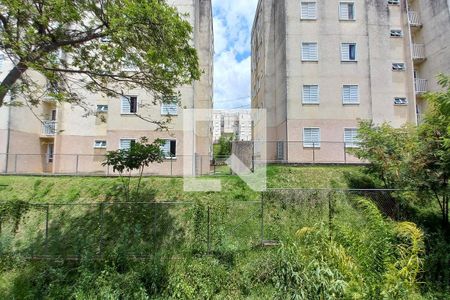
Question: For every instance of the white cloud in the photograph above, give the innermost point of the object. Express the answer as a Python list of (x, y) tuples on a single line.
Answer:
[(233, 20)]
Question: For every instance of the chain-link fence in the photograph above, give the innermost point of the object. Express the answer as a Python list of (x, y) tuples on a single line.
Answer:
[(144, 229)]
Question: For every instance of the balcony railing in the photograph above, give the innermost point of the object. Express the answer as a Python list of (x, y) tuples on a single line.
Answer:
[(48, 128), (414, 19), (419, 52), (421, 85)]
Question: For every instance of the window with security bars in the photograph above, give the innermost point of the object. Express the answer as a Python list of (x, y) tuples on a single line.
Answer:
[(350, 94), (400, 101), (347, 11), (169, 148), (310, 94), (394, 2), (396, 33), (126, 144), (348, 52), (169, 109), (311, 137), (129, 105), (309, 10), (280, 150), (351, 137), (100, 144), (310, 52)]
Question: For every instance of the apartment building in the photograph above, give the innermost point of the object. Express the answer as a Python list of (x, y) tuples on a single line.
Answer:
[(59, 138), (318, 67), (237, 123)]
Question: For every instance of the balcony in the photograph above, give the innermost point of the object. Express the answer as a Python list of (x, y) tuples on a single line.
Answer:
[(48, 128), (418, 52), (414, 19), (421, 85)]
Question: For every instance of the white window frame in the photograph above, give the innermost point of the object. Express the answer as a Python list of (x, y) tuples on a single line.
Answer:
[(401, 101), (100, 144), (308, 3), (317, 51), (398, 67), (123, 139), (349, 101), (129, 112), (354, 143), (303, 94), (165, 110), (311, 144), (280, 150), (104, 106), (340, 11), (176, 145), (394, 2), (396, 30), (343, 59)]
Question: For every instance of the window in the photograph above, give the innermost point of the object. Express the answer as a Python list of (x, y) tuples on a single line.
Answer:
[(126, 144), (310, 94), (396, 33), (311, 137), (347, 11), (102, 108), (170, 148), (53, 115), (310, 52), (350, 94), (394, 2), (129, 105), (99, 144), (398, 67), (400, 101), (309, 11), (169, 109), (351, 138), (280, 150), (348, 52), (50, 152)]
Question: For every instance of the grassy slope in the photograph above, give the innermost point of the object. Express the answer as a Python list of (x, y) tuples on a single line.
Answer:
[(69, 189)]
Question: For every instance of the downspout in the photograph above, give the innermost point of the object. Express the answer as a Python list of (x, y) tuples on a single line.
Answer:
[(8, 137)]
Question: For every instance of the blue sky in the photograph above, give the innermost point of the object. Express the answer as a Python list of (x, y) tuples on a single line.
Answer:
[(233, 20)]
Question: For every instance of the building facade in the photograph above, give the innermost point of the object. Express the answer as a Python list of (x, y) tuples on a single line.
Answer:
[(318, 67), (237, 123), (59, 138)]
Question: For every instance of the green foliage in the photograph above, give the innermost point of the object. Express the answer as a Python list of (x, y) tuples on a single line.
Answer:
[(150, 38), (13, 211), (225, 145)]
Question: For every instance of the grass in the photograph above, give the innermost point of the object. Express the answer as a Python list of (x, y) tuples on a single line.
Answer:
[(91, 189)]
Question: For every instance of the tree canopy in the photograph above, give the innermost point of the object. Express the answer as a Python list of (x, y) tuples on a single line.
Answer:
[(102, 46)]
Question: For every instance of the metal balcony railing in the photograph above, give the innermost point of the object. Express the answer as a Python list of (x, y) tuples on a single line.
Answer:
[(48, 128), (419, 52), (414, 19), (421, 85)]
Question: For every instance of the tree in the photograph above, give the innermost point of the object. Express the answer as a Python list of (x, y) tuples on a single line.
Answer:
[(433, 161), (140, 155), (108, 46)]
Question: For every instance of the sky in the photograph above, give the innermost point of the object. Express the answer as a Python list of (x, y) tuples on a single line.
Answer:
[(233, 20)]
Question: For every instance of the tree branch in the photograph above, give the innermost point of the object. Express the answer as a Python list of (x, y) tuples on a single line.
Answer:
[(10, 79)]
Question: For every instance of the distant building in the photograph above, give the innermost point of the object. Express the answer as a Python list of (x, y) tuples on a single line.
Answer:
[(232, 122)]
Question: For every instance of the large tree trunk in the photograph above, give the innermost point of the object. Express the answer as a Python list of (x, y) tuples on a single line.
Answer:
[(10, 80)]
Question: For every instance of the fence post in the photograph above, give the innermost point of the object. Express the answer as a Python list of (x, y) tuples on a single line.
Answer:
[(100, 242), (345, 152), (15, 163), (76, 167), (330, 214), (314, 152), (47, 213), (209, 230), (262, 218), (171, 165)]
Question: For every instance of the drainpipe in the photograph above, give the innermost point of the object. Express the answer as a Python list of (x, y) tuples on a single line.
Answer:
[(8, 137)]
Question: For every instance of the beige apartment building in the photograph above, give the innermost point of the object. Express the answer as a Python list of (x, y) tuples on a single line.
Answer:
[(61, 139), (318, 67), (232, 122)]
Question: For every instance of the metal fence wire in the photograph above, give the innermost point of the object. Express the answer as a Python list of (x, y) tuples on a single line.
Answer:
[(144, 229)]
